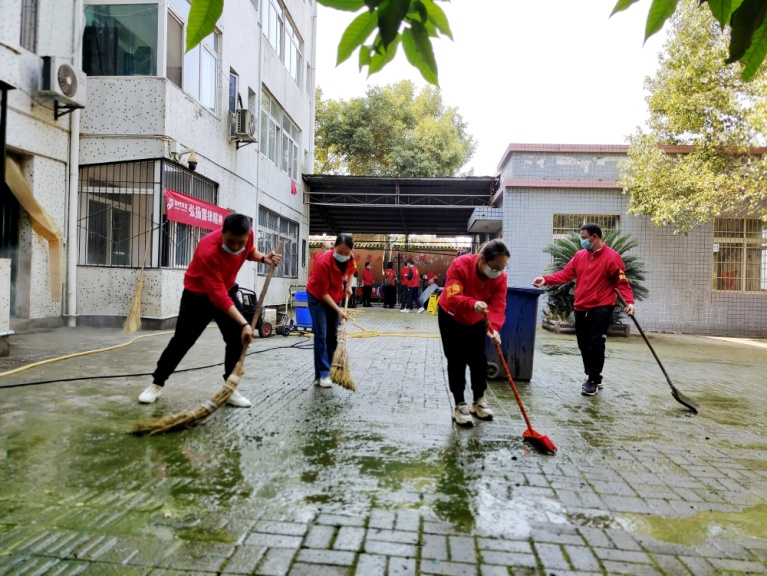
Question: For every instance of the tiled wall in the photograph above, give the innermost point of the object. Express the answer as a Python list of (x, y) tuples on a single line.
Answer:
[(564, 166), (679, 267)]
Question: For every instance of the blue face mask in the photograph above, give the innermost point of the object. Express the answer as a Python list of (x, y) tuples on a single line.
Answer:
[(340, 257), (230, 251), (586, 244)]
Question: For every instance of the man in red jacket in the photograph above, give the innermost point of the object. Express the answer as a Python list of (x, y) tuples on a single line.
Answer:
[(367, 285), (412, 281), (598, 270), (207, 282)]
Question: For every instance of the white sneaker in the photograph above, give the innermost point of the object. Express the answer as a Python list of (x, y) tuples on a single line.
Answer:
[(237, 399), (480, 409), (405, 310), (325, 382), (462, 416), (150, 394), (421, 309)]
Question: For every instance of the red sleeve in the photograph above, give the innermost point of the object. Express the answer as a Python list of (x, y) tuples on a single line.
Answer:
[(497, 305), (565, 275), (215, 287), (454, 289), (618, 277)]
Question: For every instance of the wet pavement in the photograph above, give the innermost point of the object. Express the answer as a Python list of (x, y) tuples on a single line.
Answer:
[(324, 481)]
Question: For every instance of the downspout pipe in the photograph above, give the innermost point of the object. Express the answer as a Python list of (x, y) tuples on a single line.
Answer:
[(74, 177)]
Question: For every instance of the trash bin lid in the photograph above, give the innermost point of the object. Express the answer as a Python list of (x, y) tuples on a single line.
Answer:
[(524, 290)]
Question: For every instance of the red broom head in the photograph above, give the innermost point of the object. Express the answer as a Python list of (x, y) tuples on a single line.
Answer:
[(540, 441)]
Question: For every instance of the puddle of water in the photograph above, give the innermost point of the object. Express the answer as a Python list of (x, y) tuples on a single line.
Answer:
[(697, 529)]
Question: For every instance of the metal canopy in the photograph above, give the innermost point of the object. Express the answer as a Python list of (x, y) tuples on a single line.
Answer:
[(371, 205)]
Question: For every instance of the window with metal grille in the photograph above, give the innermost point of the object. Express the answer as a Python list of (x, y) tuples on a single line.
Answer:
[(564, 224), (29, 25), (118, 222), (271, 229), (740, 255)]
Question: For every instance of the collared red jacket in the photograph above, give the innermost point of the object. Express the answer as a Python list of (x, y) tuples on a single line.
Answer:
[(213, 270), (464, 287), (327, 277), (596, 276)]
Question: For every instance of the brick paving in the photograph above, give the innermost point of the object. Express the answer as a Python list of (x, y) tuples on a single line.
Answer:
[(314, 481)]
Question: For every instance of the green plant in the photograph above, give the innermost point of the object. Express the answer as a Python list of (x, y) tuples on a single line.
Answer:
[(561, 298)]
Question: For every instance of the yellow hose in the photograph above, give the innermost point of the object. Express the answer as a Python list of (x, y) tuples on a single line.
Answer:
[(366, 333), (75, 355)]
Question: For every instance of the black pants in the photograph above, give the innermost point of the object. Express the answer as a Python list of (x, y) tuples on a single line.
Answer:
[(390, 296), (411, 297), (403, 292), (194, 315), (367, 291), (464, 346), (591, 330)]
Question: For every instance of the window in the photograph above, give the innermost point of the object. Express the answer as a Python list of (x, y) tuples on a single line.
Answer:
[(283, 37), (200, 71), (740, 255), (116, 222), (199, 74), (234, 86), (29, 25), (174, 66), (280, 137), (271, 229), (120, 40), (564, 224)]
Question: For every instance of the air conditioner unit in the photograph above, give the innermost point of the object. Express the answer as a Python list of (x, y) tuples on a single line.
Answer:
[(63, 82), (243, 126)]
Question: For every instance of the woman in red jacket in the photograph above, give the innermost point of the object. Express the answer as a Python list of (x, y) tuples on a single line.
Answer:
[(390, 286), (325, 290), (475, 287), (367, 285)]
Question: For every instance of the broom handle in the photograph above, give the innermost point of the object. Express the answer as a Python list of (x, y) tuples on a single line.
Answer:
[(260, 303), (508, 375)]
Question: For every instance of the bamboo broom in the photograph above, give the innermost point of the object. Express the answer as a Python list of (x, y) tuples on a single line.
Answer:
[(189, 418), (133, 319), (339, 370)]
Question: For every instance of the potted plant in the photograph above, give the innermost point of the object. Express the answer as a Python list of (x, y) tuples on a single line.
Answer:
[(558, 315)]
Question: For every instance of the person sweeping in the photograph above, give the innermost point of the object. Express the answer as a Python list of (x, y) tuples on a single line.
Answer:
[(325, 290), (476, 285), (207, 283), (597, 270)]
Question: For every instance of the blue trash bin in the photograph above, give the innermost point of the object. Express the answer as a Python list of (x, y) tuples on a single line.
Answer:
[(517, 335)]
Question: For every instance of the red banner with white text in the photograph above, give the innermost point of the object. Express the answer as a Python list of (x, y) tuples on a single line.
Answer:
[(187, 210)]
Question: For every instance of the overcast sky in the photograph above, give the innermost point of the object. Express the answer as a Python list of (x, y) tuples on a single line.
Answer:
[(550, 71)]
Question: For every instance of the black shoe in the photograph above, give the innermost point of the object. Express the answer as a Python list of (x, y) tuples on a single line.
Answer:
[(589, 388)]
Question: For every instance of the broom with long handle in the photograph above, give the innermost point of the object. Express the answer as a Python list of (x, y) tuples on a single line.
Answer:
[(133, 319), (340, 373), (189, 418), (540, 441)]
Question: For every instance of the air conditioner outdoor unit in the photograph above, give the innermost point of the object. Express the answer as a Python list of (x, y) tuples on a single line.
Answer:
[(243, 126), (63, 82)]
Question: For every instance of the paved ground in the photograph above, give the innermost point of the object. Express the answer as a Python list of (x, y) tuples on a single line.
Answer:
[(314, 481)]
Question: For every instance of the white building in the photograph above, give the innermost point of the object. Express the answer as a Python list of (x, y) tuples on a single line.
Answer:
[(242, 101)]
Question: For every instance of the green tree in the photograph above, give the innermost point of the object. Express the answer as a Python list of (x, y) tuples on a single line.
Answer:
[(696, 100), (561, 298), (391, 131), (413, 23)]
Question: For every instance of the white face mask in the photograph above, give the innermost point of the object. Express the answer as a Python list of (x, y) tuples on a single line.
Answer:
[(230, 251), (490, 273), (340, 257)]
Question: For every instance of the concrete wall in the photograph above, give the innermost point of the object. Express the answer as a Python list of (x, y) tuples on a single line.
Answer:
[(679, 267), (40, 142)]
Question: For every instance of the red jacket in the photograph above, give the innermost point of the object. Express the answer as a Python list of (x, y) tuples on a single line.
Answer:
[(389, 273), (464, 287), (597, 274), (327, 278), (367, 277), (430, 276), (212, 271), (415, 281)]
